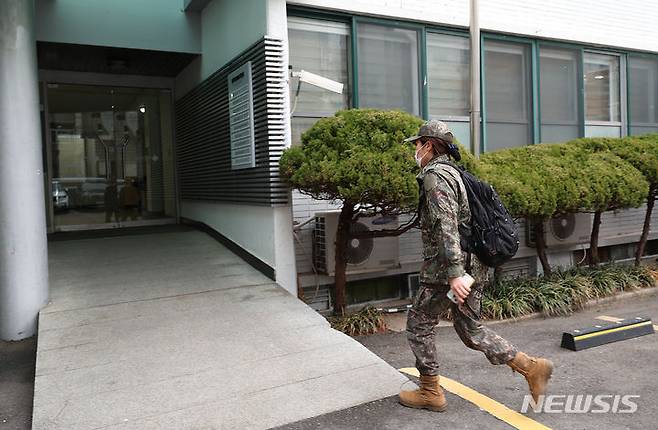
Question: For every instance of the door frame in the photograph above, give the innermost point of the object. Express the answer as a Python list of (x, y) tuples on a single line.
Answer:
[(107, 80)]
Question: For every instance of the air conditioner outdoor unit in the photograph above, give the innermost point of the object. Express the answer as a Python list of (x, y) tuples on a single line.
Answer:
[(563, 230), (363, 255)]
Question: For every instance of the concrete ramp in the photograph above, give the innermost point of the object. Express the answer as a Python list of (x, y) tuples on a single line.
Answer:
[(173, 331)]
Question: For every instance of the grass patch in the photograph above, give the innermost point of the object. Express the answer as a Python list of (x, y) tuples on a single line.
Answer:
[(563, 292), (366, 321)]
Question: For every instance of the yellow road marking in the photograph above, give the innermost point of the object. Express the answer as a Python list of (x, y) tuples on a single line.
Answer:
[(615, 319), (498, 410)]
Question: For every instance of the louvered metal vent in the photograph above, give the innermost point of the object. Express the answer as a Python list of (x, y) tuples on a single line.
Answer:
[(241, 118), (203, 133)]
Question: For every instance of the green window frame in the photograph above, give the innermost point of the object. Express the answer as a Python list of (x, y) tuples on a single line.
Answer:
[(630, 57), (420, 53), (580, 99), (533, 81), (535, 45)]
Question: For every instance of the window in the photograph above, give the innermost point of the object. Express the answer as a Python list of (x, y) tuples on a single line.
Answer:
[(602, 95), (448, 75), (508, 94), (643, 94), (320, 47), (558, 81), (388, 68)]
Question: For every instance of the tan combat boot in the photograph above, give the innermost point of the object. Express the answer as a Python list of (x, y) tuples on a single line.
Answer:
[(428, 396), (537, 371)]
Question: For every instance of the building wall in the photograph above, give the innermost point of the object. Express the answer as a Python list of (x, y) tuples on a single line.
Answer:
[(629, 24), (249, 226), (228, 28), (609, 24), (625, 226), (144, 24)]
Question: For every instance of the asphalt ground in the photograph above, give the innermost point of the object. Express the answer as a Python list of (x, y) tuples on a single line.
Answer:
[(17, 361), (628, 367)]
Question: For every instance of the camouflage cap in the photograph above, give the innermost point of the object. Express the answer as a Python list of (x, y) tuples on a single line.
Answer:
[(433, 128)]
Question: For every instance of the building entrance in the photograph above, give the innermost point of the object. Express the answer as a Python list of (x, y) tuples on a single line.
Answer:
[(110, 157)]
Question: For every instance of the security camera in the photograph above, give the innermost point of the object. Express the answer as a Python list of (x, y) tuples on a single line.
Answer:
[(319, 81)]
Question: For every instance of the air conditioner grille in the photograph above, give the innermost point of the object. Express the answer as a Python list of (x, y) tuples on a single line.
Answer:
[(358, 250), (563, 226), (362, 255)]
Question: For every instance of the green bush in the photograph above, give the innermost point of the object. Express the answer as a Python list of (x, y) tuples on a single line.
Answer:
[(540, 181), (357, 156), (562, 292), (366, 321), (640, 151)]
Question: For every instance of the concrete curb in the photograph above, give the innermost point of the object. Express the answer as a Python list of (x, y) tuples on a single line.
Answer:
[(595, 302)]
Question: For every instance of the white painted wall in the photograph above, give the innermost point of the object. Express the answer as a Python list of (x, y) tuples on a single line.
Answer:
[(228, 28), (626, 24), (251, 227), (144, 24)]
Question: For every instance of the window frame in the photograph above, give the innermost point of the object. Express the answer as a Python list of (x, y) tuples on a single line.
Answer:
[(533, 107), (322, 114), (451, 118), (580, 87), (421, 53), (623, 122), (352, 19), (629, 57)]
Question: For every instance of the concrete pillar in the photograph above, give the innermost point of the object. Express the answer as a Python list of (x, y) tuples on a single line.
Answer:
[(284, 245), (23, 247)]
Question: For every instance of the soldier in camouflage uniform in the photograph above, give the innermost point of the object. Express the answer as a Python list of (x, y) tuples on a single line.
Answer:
[(443, 208)]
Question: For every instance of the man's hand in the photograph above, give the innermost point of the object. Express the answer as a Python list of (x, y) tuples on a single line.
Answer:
[(460, 290)]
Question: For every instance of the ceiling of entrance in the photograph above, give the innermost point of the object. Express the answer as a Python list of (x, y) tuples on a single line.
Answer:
[(99, 59)]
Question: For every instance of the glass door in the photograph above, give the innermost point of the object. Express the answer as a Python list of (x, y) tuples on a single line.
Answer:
[(111, 157)]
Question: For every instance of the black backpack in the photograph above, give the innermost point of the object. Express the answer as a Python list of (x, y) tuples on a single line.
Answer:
[(492, 237)]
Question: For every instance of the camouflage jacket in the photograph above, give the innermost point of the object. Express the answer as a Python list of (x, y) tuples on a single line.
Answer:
[(443, 206)]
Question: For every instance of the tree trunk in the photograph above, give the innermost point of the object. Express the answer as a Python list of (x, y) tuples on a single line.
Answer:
[(342, 241), (540, 240), (647, 225), (594, 240), (497, 274)]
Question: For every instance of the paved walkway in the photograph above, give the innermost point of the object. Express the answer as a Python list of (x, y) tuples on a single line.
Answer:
[(173, 331)]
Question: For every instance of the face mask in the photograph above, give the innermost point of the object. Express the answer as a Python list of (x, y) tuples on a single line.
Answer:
[(419, 158)]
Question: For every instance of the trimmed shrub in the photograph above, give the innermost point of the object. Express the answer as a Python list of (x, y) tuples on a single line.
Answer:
[(642, 153), (357, 157), (541, 181), (366, 321), (563, 292)]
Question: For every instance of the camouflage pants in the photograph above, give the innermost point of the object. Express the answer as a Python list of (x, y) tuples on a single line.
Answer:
[(429, 304)]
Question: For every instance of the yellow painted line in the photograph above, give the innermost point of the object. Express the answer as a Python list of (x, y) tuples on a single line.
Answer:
[(498, 410), (611, 330), (615, 319)]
